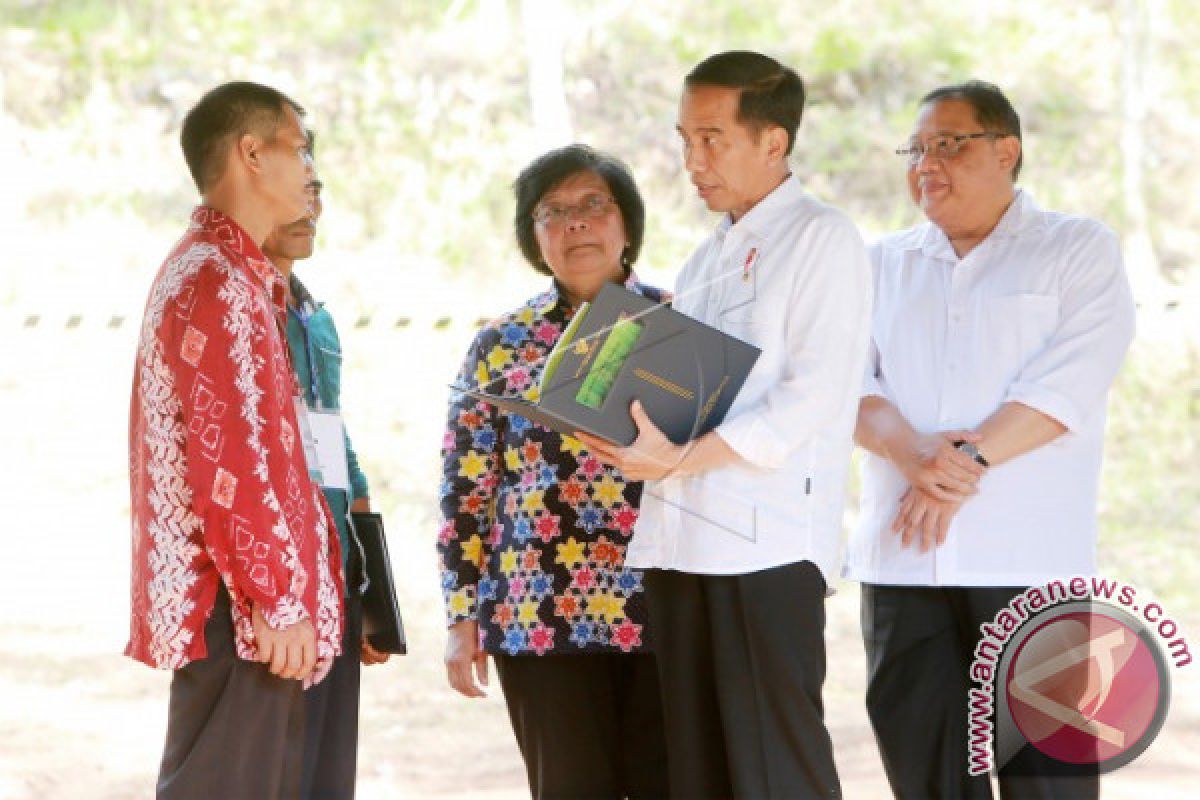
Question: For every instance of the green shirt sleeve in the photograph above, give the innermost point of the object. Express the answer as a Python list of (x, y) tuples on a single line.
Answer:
[(358, 479)]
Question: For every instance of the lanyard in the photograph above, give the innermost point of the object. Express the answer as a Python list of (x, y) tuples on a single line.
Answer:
[(303, 319)]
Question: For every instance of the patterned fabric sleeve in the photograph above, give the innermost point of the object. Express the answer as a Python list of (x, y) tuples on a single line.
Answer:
[(471, 468), (234, 410)]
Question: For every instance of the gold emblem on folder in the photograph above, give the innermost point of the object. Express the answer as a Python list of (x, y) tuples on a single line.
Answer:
[(712, 401), (587, 349), (663, 383)]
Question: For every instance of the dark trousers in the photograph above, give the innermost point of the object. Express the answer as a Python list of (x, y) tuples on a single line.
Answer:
[(920, 642), (742, 661), (331, 719), (588, 726), (234, 730)]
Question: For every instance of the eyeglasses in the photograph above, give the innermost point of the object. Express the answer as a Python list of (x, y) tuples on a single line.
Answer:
[(943, 146), (554, 215)]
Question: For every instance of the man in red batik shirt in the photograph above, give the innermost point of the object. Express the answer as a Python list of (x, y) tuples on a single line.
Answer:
[(236, 579)]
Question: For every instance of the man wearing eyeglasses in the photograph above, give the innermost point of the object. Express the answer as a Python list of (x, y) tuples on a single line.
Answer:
[(998, 329)]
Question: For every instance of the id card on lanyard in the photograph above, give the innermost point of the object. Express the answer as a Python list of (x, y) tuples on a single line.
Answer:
[(324, 438), (323, 432)]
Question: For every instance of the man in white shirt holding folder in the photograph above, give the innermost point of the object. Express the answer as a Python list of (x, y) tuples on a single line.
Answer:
[(739, 530), (998, 329)]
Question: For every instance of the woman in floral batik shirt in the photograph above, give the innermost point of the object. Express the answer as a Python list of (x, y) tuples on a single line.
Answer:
[(534, 528)]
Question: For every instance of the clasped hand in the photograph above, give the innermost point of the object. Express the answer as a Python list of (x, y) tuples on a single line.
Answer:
[(290, 653), (941, 479)]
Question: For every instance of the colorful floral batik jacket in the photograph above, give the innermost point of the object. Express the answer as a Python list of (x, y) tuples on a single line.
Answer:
[(533, 527)]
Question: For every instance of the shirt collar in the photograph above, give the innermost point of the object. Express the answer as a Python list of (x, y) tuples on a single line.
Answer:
[(228, 233), (760, 220)]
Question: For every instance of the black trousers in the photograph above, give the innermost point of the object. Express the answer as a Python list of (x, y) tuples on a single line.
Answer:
[(742, 662), (588, 726), (234, 730), (331, 719), (920, 642)]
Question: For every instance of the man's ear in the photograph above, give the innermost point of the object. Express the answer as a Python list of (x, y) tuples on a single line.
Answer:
[(777, 143), (248, 150), (1009, 150)]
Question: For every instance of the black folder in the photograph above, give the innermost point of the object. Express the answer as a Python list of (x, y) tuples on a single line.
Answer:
[(623, 346), (382, 624)]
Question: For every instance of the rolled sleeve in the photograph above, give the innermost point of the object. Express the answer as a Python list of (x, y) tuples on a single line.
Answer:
[(1049, 402), (1069, 378), (872, 385), (753, 440)]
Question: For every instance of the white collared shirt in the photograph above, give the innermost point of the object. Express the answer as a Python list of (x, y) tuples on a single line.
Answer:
[(791, 277), (1039, 313)]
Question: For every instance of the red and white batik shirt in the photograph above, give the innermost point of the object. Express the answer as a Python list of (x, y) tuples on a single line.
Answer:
[(220, 490)]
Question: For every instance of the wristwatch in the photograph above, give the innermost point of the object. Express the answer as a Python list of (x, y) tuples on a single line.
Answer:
[(973, 451)]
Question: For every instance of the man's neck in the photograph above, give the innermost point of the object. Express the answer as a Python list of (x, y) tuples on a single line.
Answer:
[(737, 214), (243, 210), (968, 237), (284, 266)]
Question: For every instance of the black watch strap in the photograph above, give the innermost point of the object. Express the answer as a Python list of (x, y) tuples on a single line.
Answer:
[(973, 451)]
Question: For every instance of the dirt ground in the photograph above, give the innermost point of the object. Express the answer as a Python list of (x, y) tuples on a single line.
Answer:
[(77, 720)]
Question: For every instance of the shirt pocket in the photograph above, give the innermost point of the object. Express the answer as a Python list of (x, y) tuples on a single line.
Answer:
[(740, 311), (1018, 327)]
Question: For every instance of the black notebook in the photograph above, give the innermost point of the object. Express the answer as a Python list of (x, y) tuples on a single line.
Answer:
[(623, 346), (382, 624)]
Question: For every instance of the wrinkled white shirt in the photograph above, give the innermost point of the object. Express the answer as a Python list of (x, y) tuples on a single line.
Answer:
[(1039, 313), (791, 277)]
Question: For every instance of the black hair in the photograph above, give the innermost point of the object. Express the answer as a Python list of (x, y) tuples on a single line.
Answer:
[(222, 116), (771, 94), (549, 170), (993, 112)]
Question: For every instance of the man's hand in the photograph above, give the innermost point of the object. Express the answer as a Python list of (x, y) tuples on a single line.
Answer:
[(290, 653), (932, 464), (370, 655), (361, 504), (923, 518), (652, 456), (462, 653)]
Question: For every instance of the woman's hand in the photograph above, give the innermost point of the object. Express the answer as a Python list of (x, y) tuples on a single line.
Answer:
[(462, 653)]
